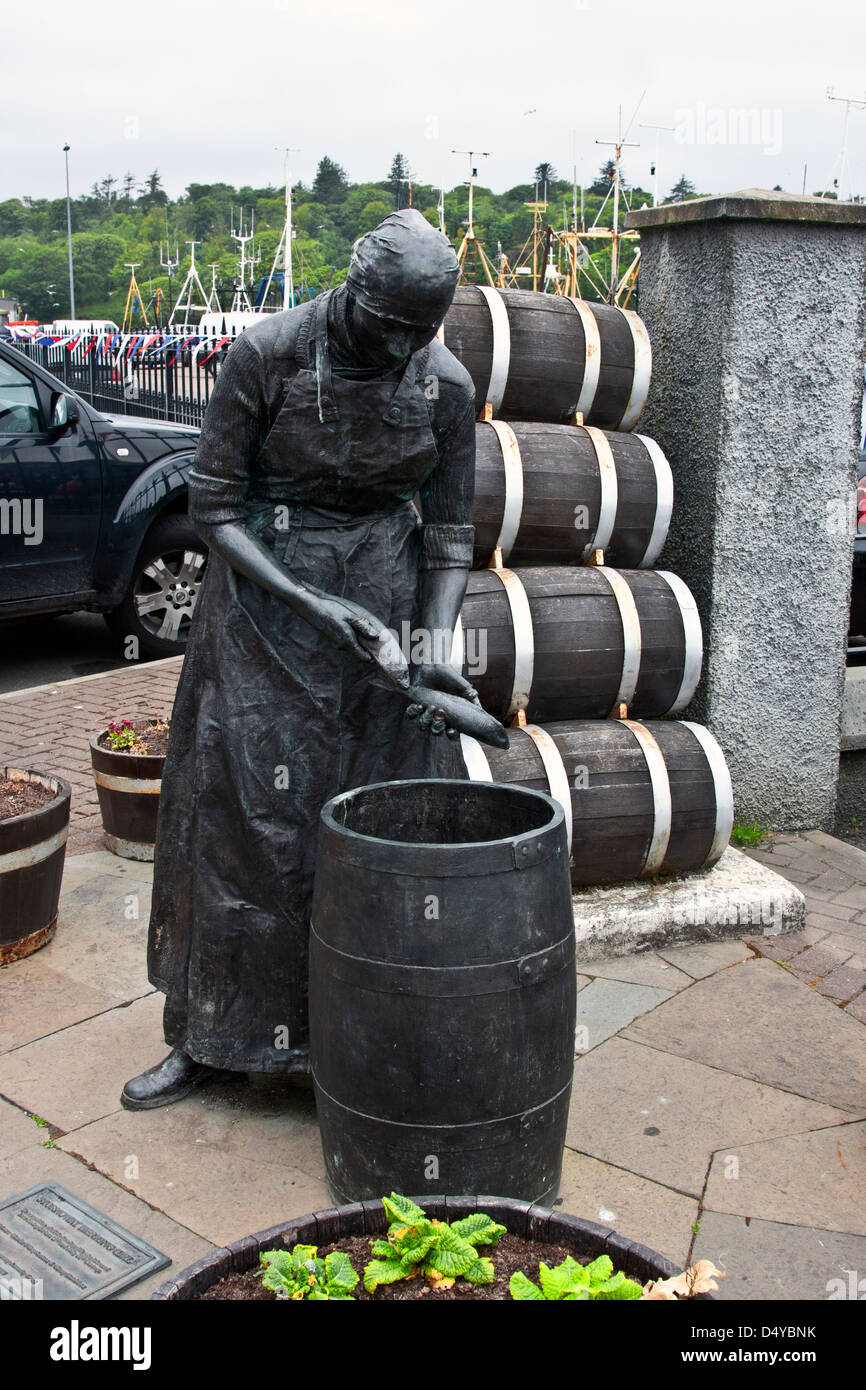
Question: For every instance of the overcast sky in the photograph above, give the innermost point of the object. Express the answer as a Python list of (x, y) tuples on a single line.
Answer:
[(205, 91)]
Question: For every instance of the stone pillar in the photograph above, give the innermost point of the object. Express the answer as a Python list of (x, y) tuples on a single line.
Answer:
[(755, 304)]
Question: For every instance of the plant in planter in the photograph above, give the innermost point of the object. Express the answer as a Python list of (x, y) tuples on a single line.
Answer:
[(299, 1274), (34, 824), (572, 1282), (128, 759), (441, 1251)]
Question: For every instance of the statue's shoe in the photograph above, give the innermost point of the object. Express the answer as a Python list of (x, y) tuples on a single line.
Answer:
[(171, 1080)]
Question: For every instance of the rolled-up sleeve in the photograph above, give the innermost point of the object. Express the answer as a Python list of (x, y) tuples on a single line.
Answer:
[(233, 431), (446, 499)]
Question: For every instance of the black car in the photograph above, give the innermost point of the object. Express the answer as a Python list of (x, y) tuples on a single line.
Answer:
[(93, 512)]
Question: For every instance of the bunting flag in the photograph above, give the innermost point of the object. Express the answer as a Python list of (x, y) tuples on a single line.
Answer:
[(73, 342), (222, 342)]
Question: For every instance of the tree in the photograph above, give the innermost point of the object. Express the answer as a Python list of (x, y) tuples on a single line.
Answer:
[(398, 173), (153, 194), (604, 178), (371, 215), (544, 173), (682, 189), (330, 184), (103, 189), (128, 186)]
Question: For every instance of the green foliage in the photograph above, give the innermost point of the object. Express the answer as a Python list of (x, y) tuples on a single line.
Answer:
[(298, 1274), (682, 189), (330, 184), (572, 1282), (743, 834), (441, 1251)]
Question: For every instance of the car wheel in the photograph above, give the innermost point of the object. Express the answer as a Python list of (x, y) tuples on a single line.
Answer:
[(163, 590)]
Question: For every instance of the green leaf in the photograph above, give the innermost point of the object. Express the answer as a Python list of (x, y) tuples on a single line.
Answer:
[(381, 1250), (382, 1272), (339, 1272), (482, 1272), (523, 1289), (599, 1270), (618, 1288), (279, 1261), (478, 1229), (401, 1209), (301, 1254), (565, 1279), (273, 1279), (404, 1238), (414, 1254), (453, 1255)]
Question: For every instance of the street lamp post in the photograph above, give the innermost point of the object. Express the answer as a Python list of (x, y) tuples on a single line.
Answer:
[(69, 238)]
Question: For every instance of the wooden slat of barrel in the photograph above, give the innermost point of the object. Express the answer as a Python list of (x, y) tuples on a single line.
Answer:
[(546, 356), (561, 488), (613, 807)]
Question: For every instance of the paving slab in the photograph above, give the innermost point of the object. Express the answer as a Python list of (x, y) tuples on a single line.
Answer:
[(824, 907), (784, 947), (853, 898), (820, 960), (759, 1021), (230, 1159), (36, 1001), (647, 968), (102, 927), (705, 959), (606, 1006), (857, 1008), (663, 1116), (639, 1210), (33, 1165), (844, 984), (75, 1076), (814, 1179), (826, 925), (765, 1260), (17, 1129)]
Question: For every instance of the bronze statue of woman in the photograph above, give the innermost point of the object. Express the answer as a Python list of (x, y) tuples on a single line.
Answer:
[(325, 422)]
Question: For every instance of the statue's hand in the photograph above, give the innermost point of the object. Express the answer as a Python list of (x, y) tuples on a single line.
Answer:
[(439, 677), (341, 626)]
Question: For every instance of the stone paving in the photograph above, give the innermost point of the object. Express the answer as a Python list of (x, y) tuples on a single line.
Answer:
[(719, 1106)]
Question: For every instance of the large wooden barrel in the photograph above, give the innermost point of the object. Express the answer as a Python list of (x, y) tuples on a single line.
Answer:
[(553, 494), (442, 990), (577, 643), (32, 851), (544, 356), (639, 799)]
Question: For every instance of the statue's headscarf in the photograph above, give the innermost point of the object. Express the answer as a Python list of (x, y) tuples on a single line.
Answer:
[(404, 269)]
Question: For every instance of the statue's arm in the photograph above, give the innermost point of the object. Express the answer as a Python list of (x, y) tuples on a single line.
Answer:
[(447, 542)]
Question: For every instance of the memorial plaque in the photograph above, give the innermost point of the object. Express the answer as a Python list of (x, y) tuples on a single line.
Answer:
[(54, 1246)]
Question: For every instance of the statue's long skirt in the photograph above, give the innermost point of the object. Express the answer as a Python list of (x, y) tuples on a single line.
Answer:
[(269, 722)]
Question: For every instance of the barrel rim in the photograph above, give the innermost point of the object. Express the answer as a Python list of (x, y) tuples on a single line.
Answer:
[(61, 788), (138, 764), (552, 825)]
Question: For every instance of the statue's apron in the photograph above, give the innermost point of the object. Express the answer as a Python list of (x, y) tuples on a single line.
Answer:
[(270, 720)]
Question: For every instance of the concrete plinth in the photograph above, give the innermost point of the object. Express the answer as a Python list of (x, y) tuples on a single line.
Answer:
[(756, 307), (734, 899)]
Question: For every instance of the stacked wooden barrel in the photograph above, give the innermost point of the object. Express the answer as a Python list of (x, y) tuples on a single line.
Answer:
[(564, 620)]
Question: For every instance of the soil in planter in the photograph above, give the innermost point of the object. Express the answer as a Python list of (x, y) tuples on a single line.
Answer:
[(150, 739), (512, 1253), (18, 798)]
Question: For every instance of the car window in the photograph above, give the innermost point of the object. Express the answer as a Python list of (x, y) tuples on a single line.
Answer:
[(19, 406)]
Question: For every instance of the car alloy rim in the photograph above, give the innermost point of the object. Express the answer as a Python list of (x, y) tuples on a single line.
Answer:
[(167, 591)]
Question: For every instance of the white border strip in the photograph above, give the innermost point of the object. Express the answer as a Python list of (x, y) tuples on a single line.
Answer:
[(475, 759), (524, 640), (513, 465), (592, 355), (609, 491), (33, 854), (694, 639), (724, 791), (501, 346), (643, 363), (631, 635), (554, 769), (458, 646), (664, 502), (661, 789), (139, 785)]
